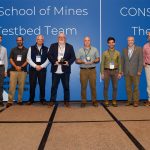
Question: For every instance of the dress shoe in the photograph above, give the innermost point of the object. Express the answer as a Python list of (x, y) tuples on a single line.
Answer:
[(29, 103), (67, 104), (114, 103), (136, 104), (1, 104), (51, 104), (147, 103), (106, 103), (83, 104), (8, 105), (95, 103), (19, 103), (43, 102), (128, 103)]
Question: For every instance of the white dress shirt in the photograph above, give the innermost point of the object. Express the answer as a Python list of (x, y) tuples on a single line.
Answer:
[(3, 57), (61, 51)]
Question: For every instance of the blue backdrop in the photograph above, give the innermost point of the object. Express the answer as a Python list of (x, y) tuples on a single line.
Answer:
[(97, 19)]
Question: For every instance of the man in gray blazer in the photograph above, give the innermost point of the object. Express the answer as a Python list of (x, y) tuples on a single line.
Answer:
[(132, 63)]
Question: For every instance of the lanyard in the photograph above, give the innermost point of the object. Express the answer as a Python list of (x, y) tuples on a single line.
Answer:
[(39, 51), (86, 54)]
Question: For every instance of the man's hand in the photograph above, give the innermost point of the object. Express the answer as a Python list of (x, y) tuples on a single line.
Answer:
[(139, 73), (56, 63), (102, 76), (18, 68), (5, 74), (66, 63), (38, 67), (119, 76)]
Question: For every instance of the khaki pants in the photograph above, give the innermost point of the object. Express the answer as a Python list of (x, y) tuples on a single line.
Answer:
[(85, 76), (16, 77), (132, 81), (147, 72)]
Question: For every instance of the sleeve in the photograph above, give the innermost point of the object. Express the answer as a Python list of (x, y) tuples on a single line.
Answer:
[(50, 55), (78, 54), (119, 62), (140, 67), (11, 54), (29, 60), (144, 55), (97, 54), (45, 64), (102, 64), (5, 60), (72, 56)]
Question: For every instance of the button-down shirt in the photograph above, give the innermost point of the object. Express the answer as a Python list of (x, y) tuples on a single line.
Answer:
[(3, 57), (146, 53), (109, 56), (130, 51), (61, 51)]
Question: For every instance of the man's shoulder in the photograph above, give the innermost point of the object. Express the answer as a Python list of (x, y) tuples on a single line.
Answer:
[(138, 47), (69, 45), (26, 49), (3, 47), (117, 52), (94, 48)]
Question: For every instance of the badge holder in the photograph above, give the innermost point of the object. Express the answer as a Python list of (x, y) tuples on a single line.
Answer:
[(111, 65), (38, 59), (19, 57)]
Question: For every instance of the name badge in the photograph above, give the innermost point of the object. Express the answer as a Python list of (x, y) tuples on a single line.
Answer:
[(19, 57), (88, 58), (111, 65), (38, 59)]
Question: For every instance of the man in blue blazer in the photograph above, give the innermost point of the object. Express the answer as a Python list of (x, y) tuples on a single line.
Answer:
[(61, 55)]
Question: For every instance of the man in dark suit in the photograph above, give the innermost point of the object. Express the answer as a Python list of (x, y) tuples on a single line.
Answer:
[(61, 55), (132, 60)]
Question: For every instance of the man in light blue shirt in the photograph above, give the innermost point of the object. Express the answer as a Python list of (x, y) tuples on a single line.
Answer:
[(3, 69), (87, 57)]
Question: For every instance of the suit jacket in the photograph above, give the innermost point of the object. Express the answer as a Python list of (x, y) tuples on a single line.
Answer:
[(69, 56), (134, 64)]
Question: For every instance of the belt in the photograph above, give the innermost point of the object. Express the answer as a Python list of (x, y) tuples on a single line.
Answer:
[(147, 64), (110, 69), (1, 65), (87, 68)]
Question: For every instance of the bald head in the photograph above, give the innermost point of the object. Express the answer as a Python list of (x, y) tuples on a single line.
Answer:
[(87, 42)]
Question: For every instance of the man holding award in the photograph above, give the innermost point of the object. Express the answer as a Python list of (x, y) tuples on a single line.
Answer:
[(61, 55), (87, 57)]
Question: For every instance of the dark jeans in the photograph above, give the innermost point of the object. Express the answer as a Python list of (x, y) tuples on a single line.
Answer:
[(2, 70), (65, 77), (113, 76), (41, 76)]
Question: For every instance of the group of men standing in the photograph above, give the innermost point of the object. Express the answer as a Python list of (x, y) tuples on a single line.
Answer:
[(61, 55)]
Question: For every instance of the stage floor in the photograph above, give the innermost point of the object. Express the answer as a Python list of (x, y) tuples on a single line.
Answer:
[(75, 128)]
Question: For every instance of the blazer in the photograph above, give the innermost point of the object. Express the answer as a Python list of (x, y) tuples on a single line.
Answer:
[(69, 56), (133, 65)]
